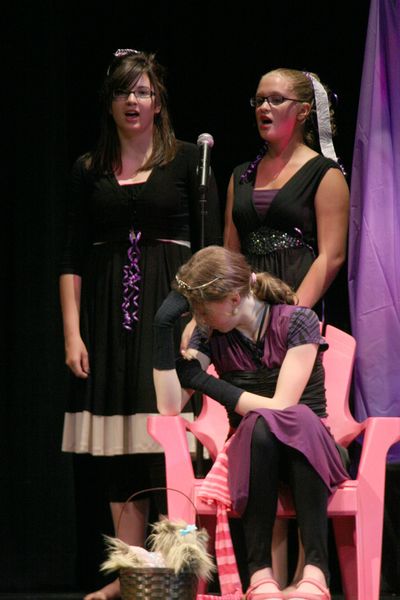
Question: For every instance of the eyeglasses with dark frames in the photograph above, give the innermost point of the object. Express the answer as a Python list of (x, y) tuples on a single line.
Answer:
[(140, 93), (272, 100)]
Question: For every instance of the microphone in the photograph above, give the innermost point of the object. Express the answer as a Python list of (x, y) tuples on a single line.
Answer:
[(205, 142)]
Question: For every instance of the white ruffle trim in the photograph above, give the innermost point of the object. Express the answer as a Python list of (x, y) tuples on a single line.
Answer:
[(109, 436)]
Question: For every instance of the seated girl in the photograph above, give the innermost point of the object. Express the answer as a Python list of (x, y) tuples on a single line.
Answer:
[(267, 353)]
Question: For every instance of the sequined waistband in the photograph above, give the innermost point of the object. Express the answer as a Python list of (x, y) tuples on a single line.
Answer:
[(267, 240)]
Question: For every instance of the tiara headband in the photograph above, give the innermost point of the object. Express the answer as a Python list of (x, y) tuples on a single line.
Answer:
[(323, 118), (189, 288), (121, 53), (125, 52)]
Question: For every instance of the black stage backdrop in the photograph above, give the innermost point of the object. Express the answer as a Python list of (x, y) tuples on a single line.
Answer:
[(55, 58)]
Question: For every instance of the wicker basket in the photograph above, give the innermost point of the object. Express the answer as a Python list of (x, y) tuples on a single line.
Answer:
[(157, 584), (151, 583)]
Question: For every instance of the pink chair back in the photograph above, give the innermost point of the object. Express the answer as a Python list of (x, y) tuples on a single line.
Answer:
[(338, 364)]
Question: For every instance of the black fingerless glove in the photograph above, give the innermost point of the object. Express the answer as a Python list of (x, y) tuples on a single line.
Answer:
[(192, 376), (173, 307)]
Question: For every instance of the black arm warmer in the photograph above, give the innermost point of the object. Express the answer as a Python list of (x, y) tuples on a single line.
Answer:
[(173, 307), (192, 376)]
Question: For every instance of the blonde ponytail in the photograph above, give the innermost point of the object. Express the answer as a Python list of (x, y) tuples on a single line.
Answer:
[(272, 290)]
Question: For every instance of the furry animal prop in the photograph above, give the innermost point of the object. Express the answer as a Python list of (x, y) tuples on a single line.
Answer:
[(173, 544), (182, 546), (123, 556)]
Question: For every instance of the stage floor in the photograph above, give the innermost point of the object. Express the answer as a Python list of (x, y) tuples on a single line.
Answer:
[(77, 596)]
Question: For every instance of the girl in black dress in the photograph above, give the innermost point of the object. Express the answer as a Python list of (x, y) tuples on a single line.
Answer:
[(133, 219), (287, 211)]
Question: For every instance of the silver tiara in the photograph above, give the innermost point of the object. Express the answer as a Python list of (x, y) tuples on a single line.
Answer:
[(120, 53), (125, 52), (190, 288)]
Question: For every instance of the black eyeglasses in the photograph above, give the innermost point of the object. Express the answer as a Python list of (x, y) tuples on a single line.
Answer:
[(141, 93), (273, 100)]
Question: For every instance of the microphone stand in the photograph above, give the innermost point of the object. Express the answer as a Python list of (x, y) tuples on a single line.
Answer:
[(203, 212), (197, 398)]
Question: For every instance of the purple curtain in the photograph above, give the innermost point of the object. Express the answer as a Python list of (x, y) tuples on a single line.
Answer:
[(374, 246)]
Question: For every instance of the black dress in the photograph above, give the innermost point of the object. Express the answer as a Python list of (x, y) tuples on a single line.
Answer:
[(284, 242), (107, 412)]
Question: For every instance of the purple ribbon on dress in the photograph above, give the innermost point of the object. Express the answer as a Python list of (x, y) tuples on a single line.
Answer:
[(248, 173), (301, 236), (130, 282)]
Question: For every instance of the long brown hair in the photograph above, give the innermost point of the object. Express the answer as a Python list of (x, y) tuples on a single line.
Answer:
[(213, 273), (123, 72)]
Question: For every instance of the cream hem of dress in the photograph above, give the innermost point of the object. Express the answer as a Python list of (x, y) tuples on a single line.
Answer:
[(110, 436)]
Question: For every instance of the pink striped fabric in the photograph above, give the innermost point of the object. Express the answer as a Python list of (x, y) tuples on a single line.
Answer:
[(215, 491)]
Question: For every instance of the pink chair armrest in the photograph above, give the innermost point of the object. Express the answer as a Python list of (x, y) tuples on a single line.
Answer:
[(211, 427), (170, 433)]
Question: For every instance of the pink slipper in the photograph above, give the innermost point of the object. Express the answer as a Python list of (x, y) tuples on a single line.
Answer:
[(325, 593), (250, 595)]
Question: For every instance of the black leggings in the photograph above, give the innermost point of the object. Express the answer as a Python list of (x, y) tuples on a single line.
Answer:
[(271, 462)]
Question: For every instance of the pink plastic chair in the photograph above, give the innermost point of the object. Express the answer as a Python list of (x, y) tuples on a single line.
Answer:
[(356, 508)]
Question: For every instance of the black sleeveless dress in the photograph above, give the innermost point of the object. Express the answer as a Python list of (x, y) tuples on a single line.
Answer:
[(284, 242)]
